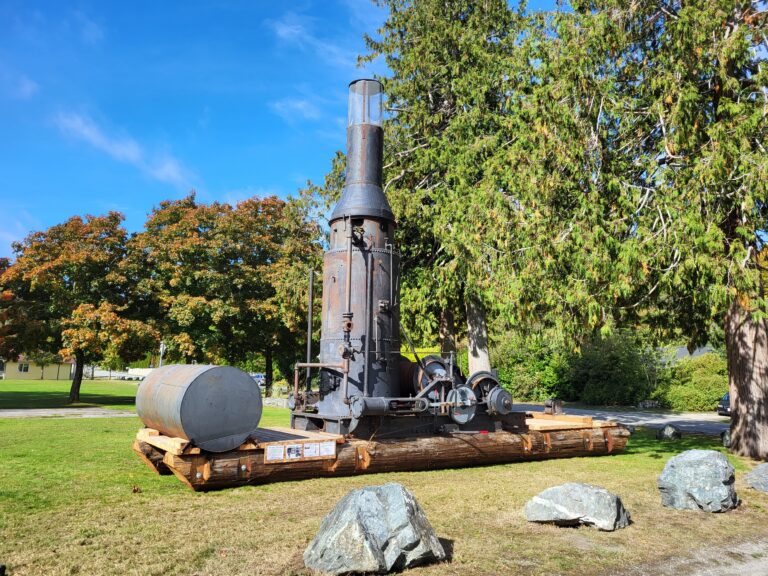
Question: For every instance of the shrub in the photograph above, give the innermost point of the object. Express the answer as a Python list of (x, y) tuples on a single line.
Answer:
[(694, 384), (530, 369), (614, 370)]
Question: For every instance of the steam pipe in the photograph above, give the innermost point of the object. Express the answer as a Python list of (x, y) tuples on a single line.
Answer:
[(348, 307), (347, 316), (391, 276), (309, 326), (367, 357)]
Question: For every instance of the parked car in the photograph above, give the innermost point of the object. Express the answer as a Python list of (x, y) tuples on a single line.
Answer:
[(260, 378), (724, 405)]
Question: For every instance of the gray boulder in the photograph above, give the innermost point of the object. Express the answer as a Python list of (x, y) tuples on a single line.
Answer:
[(374, 529), (572, 504), (669, 432), (758, 478), (725, 438), (698, 480)]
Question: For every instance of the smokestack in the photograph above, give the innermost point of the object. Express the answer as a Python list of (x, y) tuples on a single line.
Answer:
[(363, 196)]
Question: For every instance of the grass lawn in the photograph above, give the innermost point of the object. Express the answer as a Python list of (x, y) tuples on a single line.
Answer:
[(74, 499), (19, 394)]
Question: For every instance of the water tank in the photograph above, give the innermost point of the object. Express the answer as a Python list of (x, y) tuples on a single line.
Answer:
[(215, 407)]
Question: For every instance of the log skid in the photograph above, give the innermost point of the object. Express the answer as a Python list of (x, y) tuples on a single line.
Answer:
[(249, 463)]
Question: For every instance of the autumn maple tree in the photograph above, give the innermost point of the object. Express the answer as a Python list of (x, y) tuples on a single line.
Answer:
[(57, 272), (222, 282)]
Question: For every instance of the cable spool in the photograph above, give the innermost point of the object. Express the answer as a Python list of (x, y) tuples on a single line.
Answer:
[(487, 387), (433, 367), (482, 383)]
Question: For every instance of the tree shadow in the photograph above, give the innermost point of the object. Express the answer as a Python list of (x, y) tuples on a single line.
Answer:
[(21, 400), (644, 442)]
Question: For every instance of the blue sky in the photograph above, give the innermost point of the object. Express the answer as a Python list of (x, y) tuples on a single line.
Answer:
[(119, 105)]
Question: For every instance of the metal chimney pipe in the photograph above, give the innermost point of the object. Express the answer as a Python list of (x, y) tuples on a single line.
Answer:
[(363, 195)]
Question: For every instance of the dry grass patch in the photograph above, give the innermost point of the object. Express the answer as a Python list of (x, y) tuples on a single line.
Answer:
[(68, 508)]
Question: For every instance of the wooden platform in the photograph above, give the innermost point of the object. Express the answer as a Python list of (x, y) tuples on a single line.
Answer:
[(277, 454)]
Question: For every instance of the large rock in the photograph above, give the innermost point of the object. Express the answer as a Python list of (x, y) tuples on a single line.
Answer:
[(698, 480), (758, 478), (669, 432), (571, 504), (374, 529)]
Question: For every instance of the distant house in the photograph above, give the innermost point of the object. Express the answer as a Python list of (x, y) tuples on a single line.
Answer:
[(24, 369)]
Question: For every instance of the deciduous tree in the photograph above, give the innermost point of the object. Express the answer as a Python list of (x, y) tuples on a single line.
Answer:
[(224, 282), (56, 271), (100, 333)]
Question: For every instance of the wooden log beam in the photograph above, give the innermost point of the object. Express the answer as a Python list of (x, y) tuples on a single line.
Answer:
[(560, 418), (165, 443), (151, 456), (207, 471)]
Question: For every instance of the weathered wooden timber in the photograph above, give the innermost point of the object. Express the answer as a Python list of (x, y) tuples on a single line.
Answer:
[(267, 456)]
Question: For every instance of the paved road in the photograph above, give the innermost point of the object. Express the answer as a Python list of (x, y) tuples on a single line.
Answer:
[(691, 422), (65, 413)]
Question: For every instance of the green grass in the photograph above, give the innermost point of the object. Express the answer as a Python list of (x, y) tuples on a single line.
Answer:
[(271, 416), (20, 394), (112, 394), (74, 499)]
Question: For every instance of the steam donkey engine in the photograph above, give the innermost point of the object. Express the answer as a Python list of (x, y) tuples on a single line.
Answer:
[(362, 407), (365, 386)]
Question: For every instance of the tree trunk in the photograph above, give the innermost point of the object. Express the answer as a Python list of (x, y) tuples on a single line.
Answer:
[(268, 372), (447, 332), (747, 347), (74, 391), (477, 336)]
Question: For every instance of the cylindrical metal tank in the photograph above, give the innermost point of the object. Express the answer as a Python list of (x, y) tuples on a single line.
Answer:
[(215, 407)]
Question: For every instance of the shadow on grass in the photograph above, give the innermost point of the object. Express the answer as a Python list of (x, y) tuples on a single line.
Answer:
[(644, 442), (448, 547), (19, 400)]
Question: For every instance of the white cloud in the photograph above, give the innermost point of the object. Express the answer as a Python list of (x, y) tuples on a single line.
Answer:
[(364, 15), (290, 109), (123, 149), (25, 88), (17, 86), (290, 28), (168, 169), (161, 167), (297, 30), (90, 32)]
